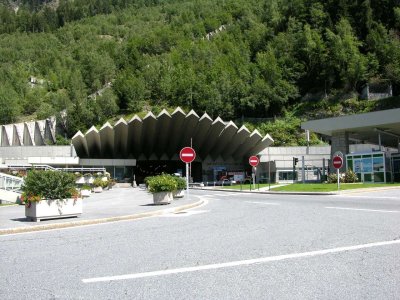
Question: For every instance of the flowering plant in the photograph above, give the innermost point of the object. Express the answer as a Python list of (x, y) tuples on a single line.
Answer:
[(26, 198)]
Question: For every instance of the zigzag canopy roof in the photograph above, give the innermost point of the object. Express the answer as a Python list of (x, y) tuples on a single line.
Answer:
[(162, 137)]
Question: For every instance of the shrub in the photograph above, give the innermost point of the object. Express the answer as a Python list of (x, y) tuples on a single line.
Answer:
[(104, 183), (146, 180), (332, 178), (97, 182), (350, 177), (86, 187), (162, 183), (180, 183), (49, 185)]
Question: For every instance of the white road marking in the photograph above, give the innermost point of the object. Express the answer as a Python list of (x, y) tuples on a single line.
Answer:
[(368, 197), (364, 209), (239, 262), (184, 214), (264, 203), (223, 195)]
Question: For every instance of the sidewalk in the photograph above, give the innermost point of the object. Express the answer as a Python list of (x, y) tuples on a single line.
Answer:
[(108, 206)]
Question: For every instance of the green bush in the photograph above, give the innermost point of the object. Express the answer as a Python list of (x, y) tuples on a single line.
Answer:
[(86, 187), (180, 183), (49, 185), (104, 183), (97, 182), (332, 178), (147, 179), (162, 183), (350, 177)]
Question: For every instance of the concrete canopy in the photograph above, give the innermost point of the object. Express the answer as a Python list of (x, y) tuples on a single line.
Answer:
[(366, 127), (162, 137)]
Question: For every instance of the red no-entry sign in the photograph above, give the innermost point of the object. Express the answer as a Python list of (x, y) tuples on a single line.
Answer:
[(187, 155), (337, 162), (254, 161)]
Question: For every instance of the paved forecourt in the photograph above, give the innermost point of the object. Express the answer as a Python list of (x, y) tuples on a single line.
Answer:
[(237, 246), (109, 205)]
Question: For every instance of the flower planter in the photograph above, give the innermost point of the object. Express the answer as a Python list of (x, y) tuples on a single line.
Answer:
[(179, 193), (97, 189), (162, 198), (86, 193), (89, 179), (51, 209), (80, 180)]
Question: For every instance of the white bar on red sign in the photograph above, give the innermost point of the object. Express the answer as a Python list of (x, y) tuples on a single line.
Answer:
[(187, 154)]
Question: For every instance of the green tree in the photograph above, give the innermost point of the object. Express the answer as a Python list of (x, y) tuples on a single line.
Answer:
[(9, 108)]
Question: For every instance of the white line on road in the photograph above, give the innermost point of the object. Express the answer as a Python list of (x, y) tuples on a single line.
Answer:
[(368, 197), (265, 203), (364, 209), (239, 262)]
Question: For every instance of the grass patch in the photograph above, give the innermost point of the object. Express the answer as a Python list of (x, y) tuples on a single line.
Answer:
[(245, 187), (329, 187)]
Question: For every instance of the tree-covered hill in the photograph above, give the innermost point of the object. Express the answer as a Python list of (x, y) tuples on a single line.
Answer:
[(99, 58)]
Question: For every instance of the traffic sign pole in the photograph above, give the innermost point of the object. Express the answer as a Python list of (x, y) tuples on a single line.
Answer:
[(187, 180), (337, 163), (338, 181), (187, 155), (254, 177), (254, 161)]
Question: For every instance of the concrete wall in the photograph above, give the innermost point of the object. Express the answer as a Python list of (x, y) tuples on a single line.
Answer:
[(36, 151)]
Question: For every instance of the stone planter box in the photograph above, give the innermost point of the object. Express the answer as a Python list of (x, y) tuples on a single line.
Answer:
[(97, 189), (51, 209), (80, 180), (88, 179), (179, 194), (162, 198), (86, 193)]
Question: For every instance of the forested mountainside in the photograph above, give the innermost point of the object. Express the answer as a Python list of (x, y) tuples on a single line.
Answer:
[(96, 59)]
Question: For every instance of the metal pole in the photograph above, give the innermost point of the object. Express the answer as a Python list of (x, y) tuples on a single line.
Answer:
[(338, 180), (269, 171), (190, 166), (303, 173), (254, 178), (380, 142), (187, 180)]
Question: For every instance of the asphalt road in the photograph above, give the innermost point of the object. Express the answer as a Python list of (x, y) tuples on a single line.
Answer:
[(237, 246)]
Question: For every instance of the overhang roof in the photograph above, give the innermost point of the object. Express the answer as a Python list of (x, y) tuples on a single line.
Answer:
[(363, 127), (163, 136)]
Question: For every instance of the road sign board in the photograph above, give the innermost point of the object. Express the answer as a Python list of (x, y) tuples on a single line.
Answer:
[(337, 162), (187, 154), (254, 161)]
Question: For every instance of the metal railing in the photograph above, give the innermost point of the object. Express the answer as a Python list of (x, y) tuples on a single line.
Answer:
[(10, 183), (47, 167)]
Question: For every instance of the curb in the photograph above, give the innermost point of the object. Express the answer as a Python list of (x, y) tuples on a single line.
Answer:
[(269, 192), (341, 192), (100, 221), (372, 189)]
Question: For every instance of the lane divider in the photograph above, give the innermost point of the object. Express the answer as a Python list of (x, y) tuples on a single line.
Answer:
[(364, 209)]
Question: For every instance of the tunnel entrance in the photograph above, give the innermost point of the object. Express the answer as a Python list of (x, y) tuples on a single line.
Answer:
[(145, 168)]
